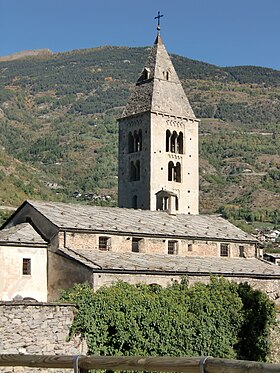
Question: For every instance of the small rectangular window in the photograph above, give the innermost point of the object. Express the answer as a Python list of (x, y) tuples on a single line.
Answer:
[(26, 266), (241, 251), (172, 247), (135, 245), (104, 243), (190, 248), (224, 249)]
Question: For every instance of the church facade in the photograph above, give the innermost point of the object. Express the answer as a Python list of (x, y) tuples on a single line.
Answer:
[(156, 235)]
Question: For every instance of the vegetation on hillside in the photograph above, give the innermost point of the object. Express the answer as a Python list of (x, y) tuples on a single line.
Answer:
[(220, 319), (58, 115), (20, 181)]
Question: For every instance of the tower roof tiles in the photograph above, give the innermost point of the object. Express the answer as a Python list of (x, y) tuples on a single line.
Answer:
[(158, 88)]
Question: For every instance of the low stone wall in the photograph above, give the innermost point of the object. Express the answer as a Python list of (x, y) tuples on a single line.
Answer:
[(37, 329), (269, 286)]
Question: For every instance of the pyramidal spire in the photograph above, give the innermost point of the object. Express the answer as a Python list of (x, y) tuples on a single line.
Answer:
[(158, 88)]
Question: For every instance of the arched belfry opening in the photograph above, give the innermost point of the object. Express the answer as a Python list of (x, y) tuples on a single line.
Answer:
[(174, 172), (167, 141), (180, 143), (170, 171), (130, 143), (134, 141), (177, 172), (174, 143), (138, 141), (134, 170)]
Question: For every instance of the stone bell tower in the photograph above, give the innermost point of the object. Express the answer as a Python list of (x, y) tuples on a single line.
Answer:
[(158, 141)]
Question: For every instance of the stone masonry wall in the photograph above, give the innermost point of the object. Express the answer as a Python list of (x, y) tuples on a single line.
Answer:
[(269, 286), (151, 245), (37, 329)]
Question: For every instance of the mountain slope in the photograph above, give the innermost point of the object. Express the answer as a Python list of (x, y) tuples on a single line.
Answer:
[(20, 181), (58, 114)]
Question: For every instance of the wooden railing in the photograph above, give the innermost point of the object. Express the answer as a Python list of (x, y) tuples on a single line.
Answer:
[(153, 364)]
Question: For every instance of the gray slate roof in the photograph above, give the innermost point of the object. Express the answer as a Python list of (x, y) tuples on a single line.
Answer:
[(157, 93), (22, 233), (139, 222), (127, 262)]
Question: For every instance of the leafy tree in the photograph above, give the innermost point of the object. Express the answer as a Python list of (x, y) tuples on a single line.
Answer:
[(259, 315), (180, 320)]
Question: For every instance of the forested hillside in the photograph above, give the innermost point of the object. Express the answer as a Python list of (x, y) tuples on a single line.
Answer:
[(58, 129)]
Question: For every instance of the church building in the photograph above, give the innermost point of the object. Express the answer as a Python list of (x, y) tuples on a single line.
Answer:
[(156, 234)]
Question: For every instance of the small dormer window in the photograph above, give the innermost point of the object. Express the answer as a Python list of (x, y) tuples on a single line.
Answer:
[(146, 73), (166, 75)]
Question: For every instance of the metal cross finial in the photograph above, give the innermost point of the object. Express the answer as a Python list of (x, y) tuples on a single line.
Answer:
[(158, 17)]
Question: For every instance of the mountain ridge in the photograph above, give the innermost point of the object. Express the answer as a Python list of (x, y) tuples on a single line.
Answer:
[(46, 51)]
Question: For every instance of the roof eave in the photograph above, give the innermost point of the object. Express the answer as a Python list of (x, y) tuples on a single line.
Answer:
[(23, 244)]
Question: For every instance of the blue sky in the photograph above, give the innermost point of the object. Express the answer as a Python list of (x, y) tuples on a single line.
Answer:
[(222, 32)]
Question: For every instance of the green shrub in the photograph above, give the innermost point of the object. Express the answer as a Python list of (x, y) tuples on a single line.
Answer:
[(214, 319)]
